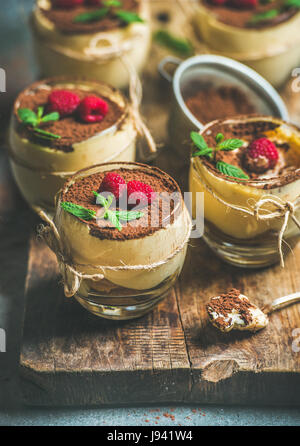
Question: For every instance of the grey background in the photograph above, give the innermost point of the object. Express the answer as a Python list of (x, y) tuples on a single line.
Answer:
[(17, 60)]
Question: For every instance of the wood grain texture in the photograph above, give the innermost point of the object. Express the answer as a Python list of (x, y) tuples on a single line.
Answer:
[(70, 357)]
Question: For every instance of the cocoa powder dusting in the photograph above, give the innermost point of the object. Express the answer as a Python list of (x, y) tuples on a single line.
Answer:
[(71, 129), (225, 304), (156, 215), (210, 103), (241, 17), (63, 19)]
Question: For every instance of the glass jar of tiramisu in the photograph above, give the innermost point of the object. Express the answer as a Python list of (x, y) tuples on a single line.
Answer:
[(261, 34), (61, 125), (95, 39), (120, 234), (248, 169)]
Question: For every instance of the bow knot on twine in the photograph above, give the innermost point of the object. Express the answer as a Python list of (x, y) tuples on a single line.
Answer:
[(285, 209), (282, 207), (72, 278)]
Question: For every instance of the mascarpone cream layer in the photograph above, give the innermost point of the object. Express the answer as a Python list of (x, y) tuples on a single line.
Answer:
[(90, 250)]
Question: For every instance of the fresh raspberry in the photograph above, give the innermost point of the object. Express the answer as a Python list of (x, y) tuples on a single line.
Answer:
[(92, 109), (67, 3), (140, 193), (63, 101), (244, 3), (261, 155), (113, 183)]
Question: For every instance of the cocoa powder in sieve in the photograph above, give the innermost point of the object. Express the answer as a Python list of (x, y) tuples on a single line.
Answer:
[(210, 103)]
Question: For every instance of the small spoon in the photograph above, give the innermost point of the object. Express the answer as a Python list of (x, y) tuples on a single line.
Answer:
[(234, 310), (281, 302)]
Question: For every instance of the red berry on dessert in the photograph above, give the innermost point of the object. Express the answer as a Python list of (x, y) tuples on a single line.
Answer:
[(63, 101), (261, 155), (140, 193), (113, 183), (92, 109), (67, 3)]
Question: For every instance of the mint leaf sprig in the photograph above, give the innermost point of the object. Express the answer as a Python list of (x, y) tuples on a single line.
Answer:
[(262, 16), (78, 211), (221, 145), (292, 4), (115, 217), (174, 43), (128, 17), (109, 7), (34, 120)]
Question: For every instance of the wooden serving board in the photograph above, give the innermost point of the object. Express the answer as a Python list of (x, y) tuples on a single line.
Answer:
[(69, 357)]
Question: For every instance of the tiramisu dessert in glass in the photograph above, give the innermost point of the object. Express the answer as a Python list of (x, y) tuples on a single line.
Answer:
[(120, 234), (261, 34), (249, 171), (61, 125), (91, 38)]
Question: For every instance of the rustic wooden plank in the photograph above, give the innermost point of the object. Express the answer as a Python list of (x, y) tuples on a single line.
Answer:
[(240, 367)]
